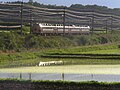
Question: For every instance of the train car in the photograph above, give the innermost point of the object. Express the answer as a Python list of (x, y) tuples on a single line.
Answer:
[(58, 29)]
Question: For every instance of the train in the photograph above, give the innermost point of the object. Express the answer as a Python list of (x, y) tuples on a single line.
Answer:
[(59, 29)]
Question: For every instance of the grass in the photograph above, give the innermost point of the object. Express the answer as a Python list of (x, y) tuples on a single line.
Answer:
[(67, 61), (85, 49), (111, 51), (32, 58)]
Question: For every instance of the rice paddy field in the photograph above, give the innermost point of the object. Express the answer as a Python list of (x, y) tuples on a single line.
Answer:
[(72, 69), (83, 55), (77, 73), (101, 61)]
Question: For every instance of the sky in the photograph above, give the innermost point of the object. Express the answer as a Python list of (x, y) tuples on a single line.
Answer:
[(108, 3)]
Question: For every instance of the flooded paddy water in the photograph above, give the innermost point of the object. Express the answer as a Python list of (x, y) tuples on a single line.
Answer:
[(104, 73), (67, 77)]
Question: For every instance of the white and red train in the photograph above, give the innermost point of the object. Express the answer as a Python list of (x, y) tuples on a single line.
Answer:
[(48, 29)]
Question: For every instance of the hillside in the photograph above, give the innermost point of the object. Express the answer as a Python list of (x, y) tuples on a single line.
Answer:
[(13, 41), (104, 9), (16, 42)]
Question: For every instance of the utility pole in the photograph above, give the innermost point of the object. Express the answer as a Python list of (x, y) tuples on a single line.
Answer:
[(93, 22), (64, 21), (111, 24), (21, 14), (31, 19), (106, 25)]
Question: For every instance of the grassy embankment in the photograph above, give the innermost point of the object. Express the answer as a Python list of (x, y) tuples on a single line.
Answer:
[(56, 85), (83, 55), (29, 50)]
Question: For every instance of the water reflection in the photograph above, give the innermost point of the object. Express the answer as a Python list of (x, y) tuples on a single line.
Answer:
[(67, 77)]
